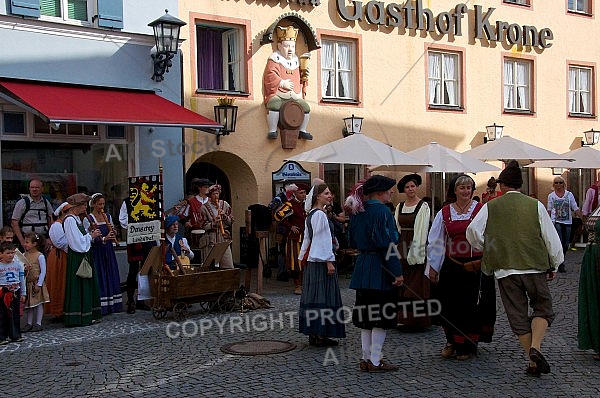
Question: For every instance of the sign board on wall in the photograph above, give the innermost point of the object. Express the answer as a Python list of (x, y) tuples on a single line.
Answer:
[(287, 173)]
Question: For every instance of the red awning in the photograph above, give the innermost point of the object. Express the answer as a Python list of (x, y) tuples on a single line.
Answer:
[(67, 103)]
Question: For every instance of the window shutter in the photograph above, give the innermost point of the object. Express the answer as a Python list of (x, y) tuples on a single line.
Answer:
[(26, 8), (110, 13)]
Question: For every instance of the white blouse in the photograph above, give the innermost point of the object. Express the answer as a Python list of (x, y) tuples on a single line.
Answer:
[(436, 250), (321, 245), (58, 237), (416, 251), (77, 242)]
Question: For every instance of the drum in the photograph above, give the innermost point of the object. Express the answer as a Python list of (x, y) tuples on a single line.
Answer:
[(196, 237)]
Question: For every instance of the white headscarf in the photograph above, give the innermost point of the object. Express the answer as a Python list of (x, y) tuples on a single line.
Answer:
[(308, 200)]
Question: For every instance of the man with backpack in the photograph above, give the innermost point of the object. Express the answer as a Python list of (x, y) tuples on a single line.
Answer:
[(32, 213)]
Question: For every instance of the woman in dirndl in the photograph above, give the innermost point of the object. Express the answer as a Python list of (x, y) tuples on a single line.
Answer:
[(105, 259), (82, 295), (588, 333), (56, 268), (321, 315), (412, 219), (467, 296)]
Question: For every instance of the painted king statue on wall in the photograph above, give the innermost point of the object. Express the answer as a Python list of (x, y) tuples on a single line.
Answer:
[(284, 80)]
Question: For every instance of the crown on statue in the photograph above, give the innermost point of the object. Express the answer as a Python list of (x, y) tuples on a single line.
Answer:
[(287, 33)]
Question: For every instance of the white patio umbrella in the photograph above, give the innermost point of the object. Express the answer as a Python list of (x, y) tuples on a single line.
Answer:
[(358, 149), (442, 160), (584, 158), (506, 148)]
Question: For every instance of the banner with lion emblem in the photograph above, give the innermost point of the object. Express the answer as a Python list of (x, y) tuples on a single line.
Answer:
[(144, 209)]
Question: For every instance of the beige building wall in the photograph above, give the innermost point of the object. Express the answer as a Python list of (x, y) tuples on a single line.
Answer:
[(392, 87)]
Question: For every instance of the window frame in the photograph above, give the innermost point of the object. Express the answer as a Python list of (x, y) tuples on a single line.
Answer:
[(586, 11), (592, 92), (443, 54), (522, 3), (63, 18), (336, 97), (530, 109), (241, 33)]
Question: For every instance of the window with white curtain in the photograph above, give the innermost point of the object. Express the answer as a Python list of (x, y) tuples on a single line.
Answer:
[(444, 86), (580, 90), (517, 85), (580, 6), (219, 58), (338, 69)]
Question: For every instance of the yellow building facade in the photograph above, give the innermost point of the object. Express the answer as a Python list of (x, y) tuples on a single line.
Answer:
[(416, 71)]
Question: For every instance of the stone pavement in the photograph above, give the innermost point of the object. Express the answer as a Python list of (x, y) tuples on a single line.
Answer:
[(132, 356)]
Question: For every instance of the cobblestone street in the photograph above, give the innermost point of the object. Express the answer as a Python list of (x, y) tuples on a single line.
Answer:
[(132, 356)]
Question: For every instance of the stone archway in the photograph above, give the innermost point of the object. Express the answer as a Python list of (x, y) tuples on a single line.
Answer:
[(240, 187)]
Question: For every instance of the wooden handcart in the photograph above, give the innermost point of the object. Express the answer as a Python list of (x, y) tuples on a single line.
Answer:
[(203, 284)]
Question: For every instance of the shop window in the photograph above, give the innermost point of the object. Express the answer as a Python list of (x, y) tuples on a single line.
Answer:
[(579, 6), (444, 79), (517, 85), (65, 169), (340, 178), (338, 70), (220, 52), (13, 123), (115, 132), (580, 91), (75, 10), (72, 129)]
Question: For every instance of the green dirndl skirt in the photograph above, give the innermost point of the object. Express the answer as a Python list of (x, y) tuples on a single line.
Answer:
[(588, 333), (82, 296)]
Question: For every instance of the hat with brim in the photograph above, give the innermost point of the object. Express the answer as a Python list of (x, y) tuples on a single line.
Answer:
[(378, 183), (201, 182), (170, 220), (78, 199), (406, 179), (303, 187), (214, 188)]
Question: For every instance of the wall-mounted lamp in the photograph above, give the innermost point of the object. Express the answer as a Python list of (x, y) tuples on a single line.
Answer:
[(166, 36), (353, 125), (493, 132), (590, 137), (226, 115), (556, 171)]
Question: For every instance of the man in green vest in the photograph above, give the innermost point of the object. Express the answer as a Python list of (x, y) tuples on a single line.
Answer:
[(522, 249)]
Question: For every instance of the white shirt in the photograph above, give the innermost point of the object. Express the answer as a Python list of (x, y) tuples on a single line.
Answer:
[(123, 216), (560, 207), (58, 237), (476, 230), (77, 242), (184, 245), (321, 245), (417, 249)]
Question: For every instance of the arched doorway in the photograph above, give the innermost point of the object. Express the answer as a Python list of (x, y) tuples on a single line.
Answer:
[(240, 187), (200, 169)]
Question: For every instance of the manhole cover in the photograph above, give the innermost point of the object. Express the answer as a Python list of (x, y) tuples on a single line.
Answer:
[(258, 347)]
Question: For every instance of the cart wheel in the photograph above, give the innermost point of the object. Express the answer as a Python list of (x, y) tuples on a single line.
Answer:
[(159, 312), (225, 304), (180, 311)]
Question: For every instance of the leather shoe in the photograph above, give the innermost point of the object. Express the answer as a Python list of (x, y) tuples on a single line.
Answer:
[(540, 361), (363, 366), (448, 351), (325, 342), (382, 367), (272, 135), (305, 135), (131, 308)]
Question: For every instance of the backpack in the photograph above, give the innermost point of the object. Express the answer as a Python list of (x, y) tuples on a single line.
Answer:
[(28, 209)]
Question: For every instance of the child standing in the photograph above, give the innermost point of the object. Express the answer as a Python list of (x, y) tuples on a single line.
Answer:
[(12, 294), (37, 292), (7, 234)]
